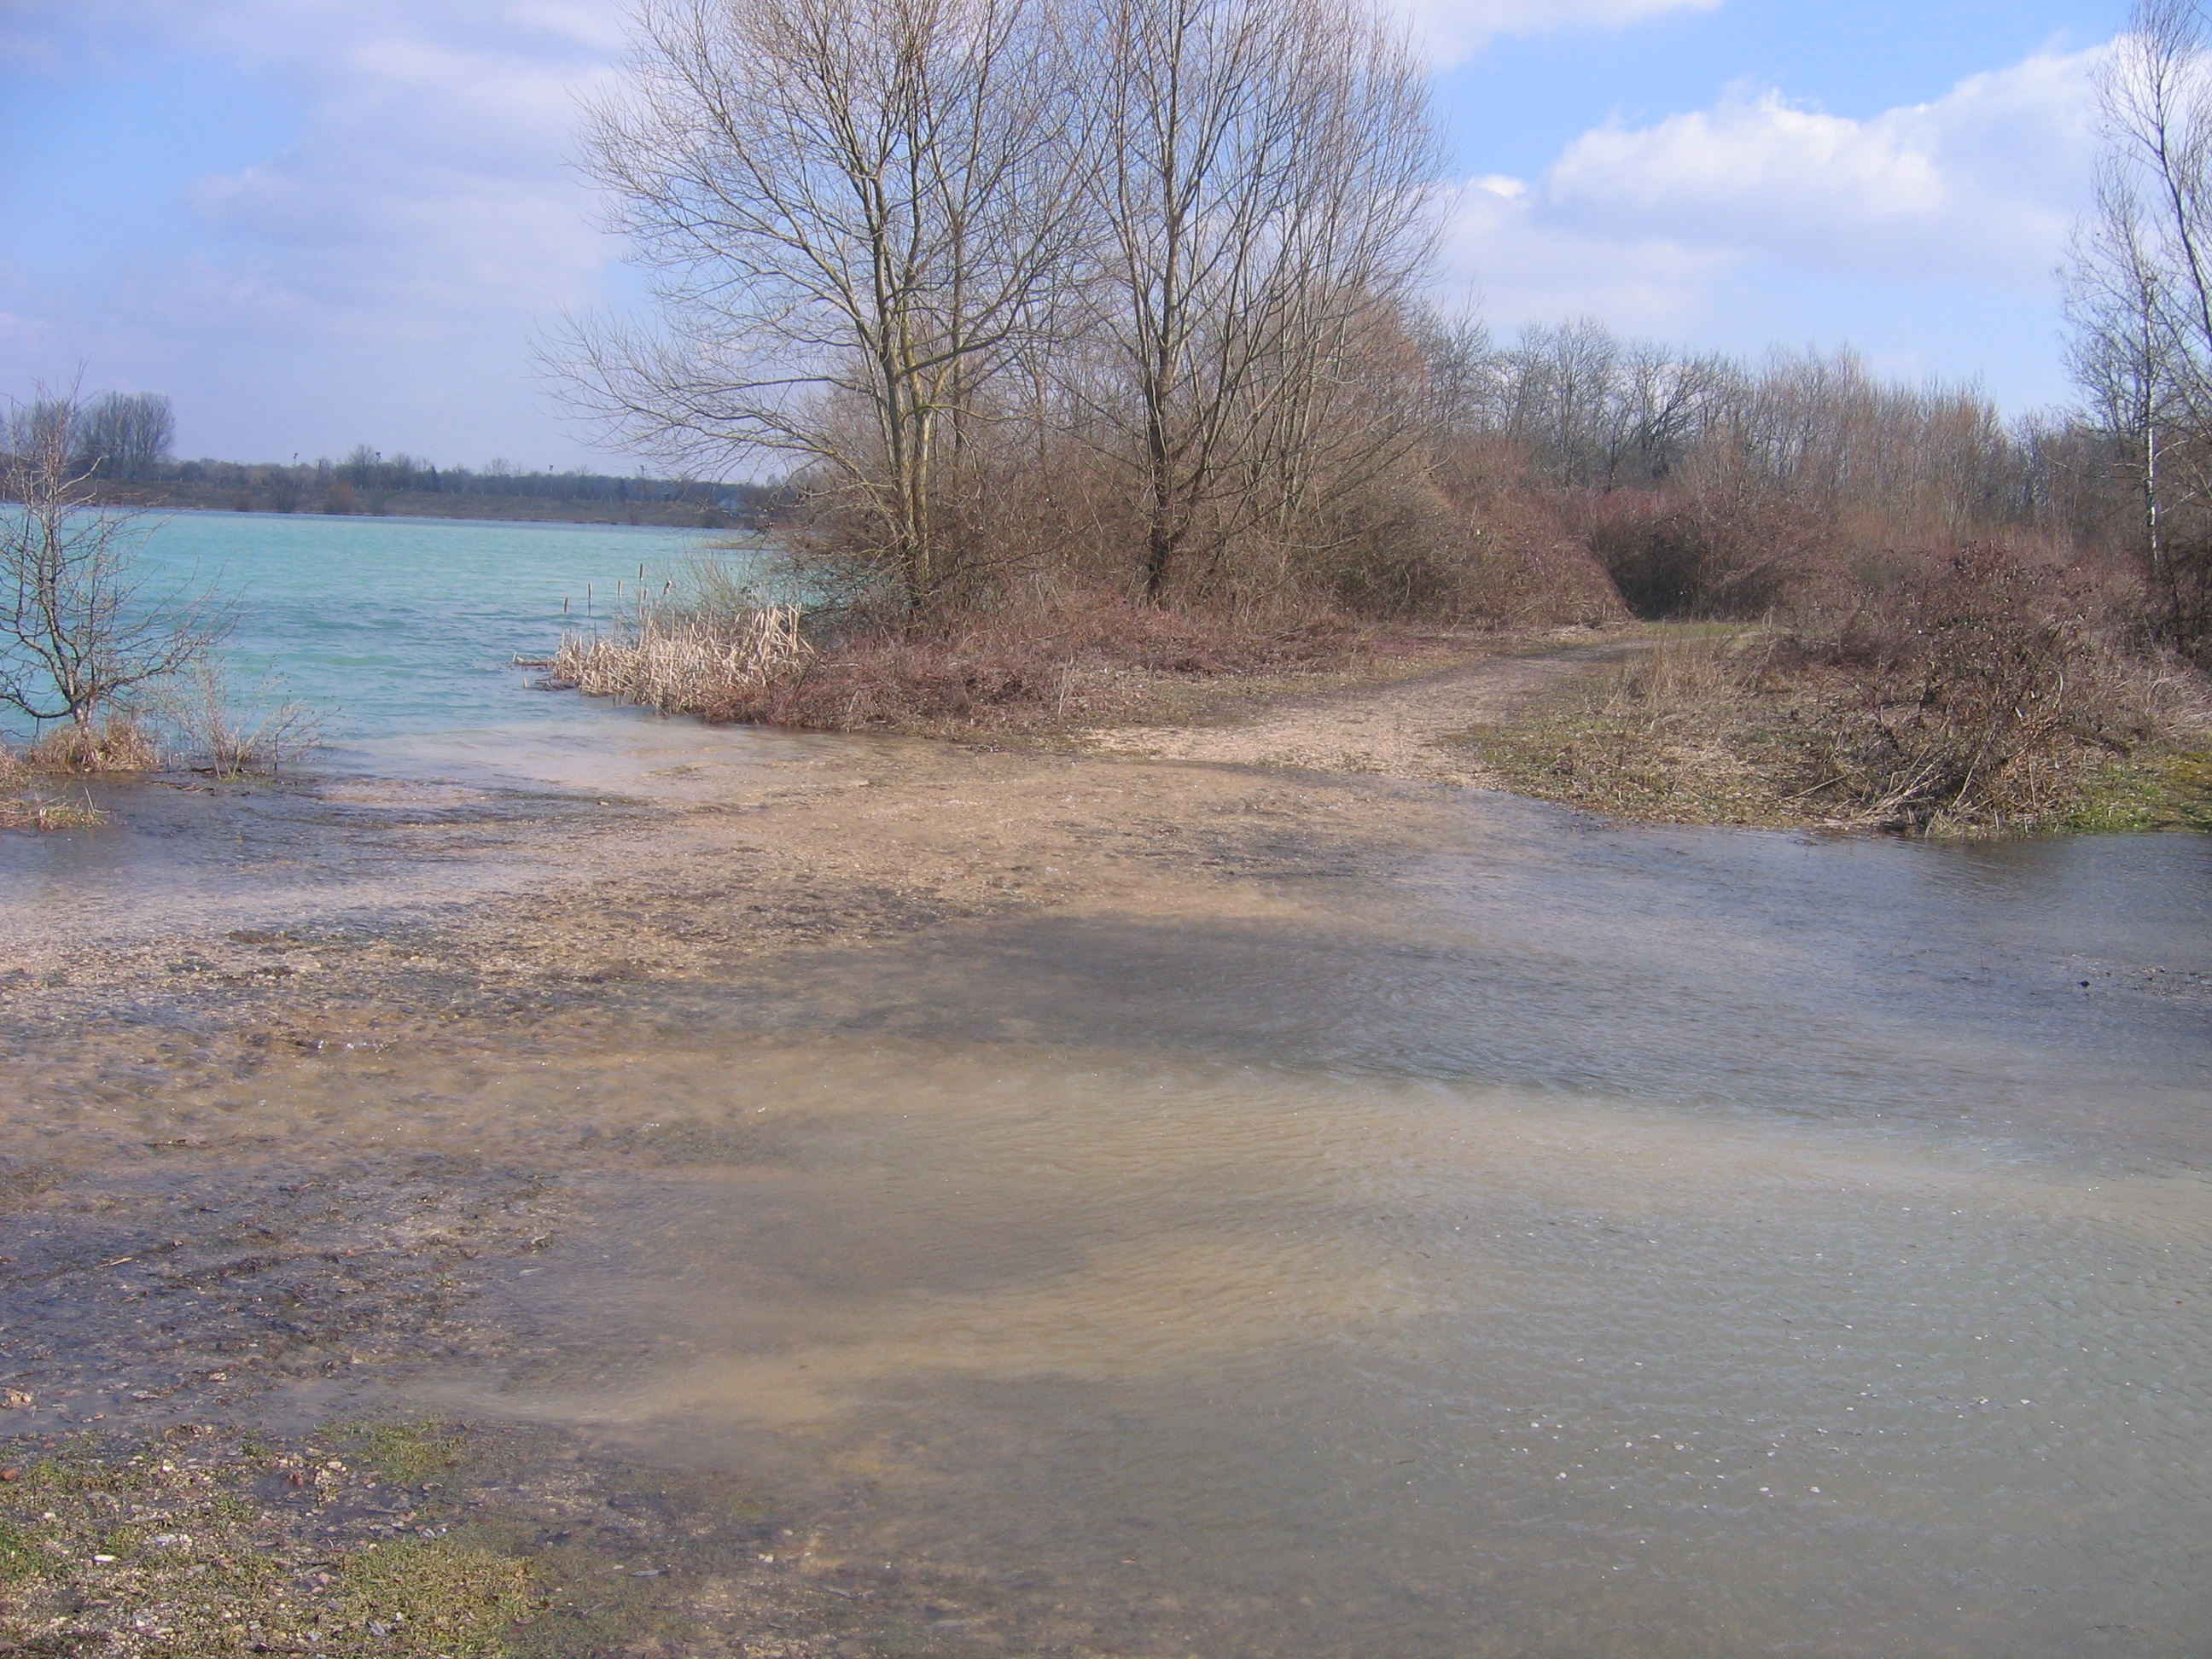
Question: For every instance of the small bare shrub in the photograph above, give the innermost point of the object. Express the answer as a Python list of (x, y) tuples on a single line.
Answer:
[(233, 734)]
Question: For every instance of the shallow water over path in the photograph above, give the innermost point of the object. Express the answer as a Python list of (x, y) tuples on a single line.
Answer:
[(1597, 1242), (1556, 1239)]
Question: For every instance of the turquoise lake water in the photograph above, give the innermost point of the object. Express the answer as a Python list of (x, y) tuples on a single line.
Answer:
[(391, 627)]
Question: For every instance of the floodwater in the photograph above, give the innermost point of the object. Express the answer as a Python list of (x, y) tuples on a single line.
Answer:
[(1602, 1243), (1577, 1241), (1586, 1241)]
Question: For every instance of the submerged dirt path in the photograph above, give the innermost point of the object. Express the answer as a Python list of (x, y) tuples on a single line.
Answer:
[(305, 1077), (1405, 729)]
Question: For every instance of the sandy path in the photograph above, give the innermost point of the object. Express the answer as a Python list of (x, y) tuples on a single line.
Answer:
[(1400, 731)]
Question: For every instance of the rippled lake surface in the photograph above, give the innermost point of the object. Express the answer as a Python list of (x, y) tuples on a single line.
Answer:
[(403, 625), (1601, 1243)]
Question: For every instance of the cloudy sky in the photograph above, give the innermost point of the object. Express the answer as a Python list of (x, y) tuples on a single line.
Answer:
[(322, 222)]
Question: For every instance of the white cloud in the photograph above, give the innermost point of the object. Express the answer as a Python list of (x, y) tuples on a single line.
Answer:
[(1455, 30), (1648, 225), (1981, 183), (1518, 265)]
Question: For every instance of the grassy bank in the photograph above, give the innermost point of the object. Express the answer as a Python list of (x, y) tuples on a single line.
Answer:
[(1729, 725), (202, 1544)]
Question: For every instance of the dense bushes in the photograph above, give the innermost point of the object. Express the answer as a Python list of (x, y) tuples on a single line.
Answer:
[(1982, 690)]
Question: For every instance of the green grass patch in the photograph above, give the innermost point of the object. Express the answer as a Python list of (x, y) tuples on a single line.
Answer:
[(432, 1597), (170, 1546), (19, 1553), (406, 1454), (2170, 791)]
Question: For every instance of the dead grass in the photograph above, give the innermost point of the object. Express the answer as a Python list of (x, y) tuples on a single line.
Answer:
[(24, 805), (42, 812), (1677, 732), (1037, 668), (119, 743)]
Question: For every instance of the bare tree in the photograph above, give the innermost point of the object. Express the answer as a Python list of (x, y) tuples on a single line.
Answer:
[(2139, 281), (855, 212), (124, 435), (80, 626), (1262, 196)]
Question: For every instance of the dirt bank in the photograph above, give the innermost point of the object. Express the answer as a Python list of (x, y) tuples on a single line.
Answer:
[(1412, 728)]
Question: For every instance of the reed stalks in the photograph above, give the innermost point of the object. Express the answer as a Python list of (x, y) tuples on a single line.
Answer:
[(688, 664), (119, 743)]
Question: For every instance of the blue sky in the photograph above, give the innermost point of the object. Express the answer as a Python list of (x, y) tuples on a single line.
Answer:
[(320, 222)]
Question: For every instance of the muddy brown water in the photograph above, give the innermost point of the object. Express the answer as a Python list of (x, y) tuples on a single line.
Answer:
[(1575, 1240)]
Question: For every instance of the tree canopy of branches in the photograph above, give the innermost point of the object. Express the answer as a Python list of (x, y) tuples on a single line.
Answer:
[(1259, 205), (898, 242), (79, 627), (856, 211), (124, 435)]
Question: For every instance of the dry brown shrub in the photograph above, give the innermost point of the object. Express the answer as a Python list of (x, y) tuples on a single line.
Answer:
[(1977, 694), (116, 744), (1049, 653), (1038, 662), (1502, 549), (1723, 543)]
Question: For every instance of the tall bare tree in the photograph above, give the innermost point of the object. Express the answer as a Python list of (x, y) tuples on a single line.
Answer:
[(2140, 292), (855, 212), (124, 435), (1262, 196)]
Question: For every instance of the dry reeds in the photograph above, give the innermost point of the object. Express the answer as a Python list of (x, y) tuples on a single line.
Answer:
[(714, 665), (119, 743)]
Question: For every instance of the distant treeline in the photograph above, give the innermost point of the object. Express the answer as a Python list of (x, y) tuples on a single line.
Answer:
[(122, 441)]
